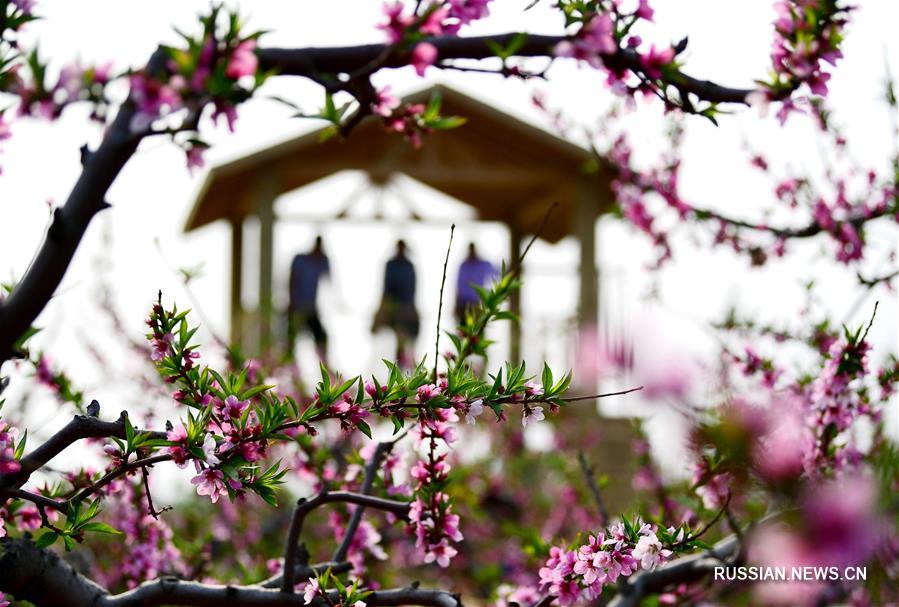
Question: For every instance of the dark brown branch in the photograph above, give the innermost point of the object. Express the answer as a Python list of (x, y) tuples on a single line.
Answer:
[(368, 481), (575, 399), (590, 478), (305, 506), (683, 570), (310, 62), (70, 222), (116, 473), (40, 576), (172, 591), (302, 572), (449, 248), (80, 428), (876, 280)]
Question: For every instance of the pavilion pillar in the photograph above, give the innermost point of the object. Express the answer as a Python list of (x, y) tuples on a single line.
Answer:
[(586, 214), (237, 311), (265, 211), (515, 238)]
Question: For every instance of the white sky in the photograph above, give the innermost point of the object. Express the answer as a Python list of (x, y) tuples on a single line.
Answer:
[(729, 42)]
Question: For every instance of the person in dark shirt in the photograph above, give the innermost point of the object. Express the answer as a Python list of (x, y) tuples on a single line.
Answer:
[(306, 272), (474, 271), (397, 310)]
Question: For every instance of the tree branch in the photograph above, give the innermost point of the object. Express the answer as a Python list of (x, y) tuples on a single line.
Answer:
[(371, 471), (70, 222), (40, 576), (305, 506), (313, 61), (685, 569), (81, 427)]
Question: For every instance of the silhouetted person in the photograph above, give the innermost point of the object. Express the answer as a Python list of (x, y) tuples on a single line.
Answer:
[(306, 272), (473, 271), (397, 310)]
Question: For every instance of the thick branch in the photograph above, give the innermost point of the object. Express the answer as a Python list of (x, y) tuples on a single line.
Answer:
[(172, 591), (43, 578), (70, 222), (314, 61), (683, 570)]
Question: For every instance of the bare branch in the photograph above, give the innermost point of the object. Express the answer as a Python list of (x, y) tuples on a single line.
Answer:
[(305, 506), (371, 471)]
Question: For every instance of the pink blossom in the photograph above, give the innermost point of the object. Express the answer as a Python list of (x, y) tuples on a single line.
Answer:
[(8, 462), (467, 11), (423, 56), (30, 518), (233, 407), (3, 601), (311, 590), (644, 11), (433, 24), (397, 23), (442, 553), (195, 158), (209, 450), (244, 61), (210, 482), (655, 60), (473, 411), (531, 414), (162, 346), (595, 38), (384, 104), (649, 551)]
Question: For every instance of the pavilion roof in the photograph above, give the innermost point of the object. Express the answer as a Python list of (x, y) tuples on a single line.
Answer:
[(507, 169)]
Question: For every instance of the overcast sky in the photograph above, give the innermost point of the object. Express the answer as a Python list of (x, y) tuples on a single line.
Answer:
[(729, 42)]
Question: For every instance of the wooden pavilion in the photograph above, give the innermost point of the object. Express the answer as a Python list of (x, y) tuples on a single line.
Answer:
[(506, 169)]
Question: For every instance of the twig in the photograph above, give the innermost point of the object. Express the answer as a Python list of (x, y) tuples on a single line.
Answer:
[(552, 207), (590, 478), (117, 472), (595, 396), (371, 471), (449, 247), (709, 525), (151, 510)]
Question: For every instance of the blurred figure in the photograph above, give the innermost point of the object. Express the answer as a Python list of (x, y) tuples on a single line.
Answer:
[(397, 310), (473, 271), (306, 271)]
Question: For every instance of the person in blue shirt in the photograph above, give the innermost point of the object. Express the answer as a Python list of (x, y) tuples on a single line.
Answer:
[(474, 271), (306, 271), (397, 311)]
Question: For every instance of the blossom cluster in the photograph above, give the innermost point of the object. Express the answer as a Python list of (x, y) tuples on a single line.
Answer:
[(9, 452), (432, 520), (580, 574), (807, 36), (151, 549), (219, 69)]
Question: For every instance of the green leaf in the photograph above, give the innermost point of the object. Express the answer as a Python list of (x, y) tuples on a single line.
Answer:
[(445, 124), (433, 110), (365, 428), (46, 540), (101, 528)]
